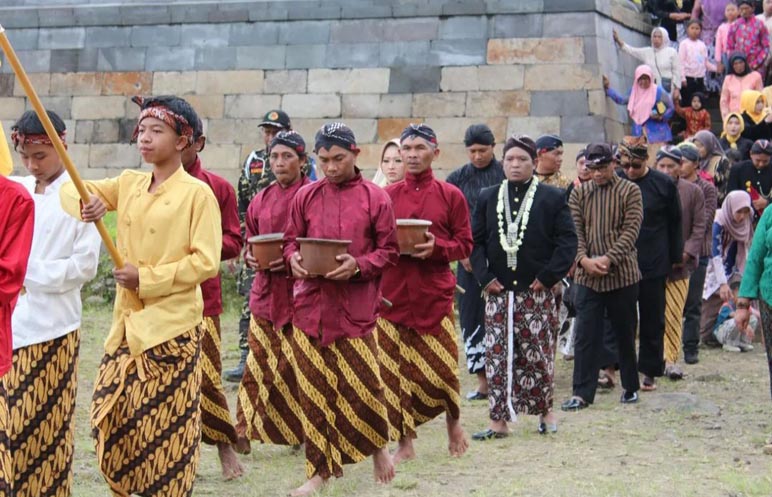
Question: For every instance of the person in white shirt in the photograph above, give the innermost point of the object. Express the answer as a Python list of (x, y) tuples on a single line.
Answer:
[(660, 56), (42, 383), (766, 16)]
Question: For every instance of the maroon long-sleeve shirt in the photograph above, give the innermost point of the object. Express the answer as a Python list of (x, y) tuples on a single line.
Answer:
[(421, 291), (231, 232), (271, 295), (356, 210), (17, 218)]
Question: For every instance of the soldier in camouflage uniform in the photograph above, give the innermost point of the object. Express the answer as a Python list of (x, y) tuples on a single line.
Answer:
[(256, 174)]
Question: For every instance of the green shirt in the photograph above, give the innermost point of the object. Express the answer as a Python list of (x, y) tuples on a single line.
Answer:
[(757, 277)]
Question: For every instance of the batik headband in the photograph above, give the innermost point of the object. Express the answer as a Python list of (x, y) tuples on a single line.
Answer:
[(689, 151), (634, 146), (18, 138), (333, 134), (165, 114), (521, 141), (762, 147), (548, 142), (290, 139), (420, 131)]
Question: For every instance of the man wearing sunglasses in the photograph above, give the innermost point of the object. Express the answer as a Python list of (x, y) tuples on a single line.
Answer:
[(660, 245)]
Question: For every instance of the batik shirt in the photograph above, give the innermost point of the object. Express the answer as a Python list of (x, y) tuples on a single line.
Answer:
[(750, 37)]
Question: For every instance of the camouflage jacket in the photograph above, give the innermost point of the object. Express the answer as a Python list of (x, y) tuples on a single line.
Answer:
[(255, 175)]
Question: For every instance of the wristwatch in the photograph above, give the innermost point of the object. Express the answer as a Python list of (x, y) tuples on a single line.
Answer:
[(357, 273)]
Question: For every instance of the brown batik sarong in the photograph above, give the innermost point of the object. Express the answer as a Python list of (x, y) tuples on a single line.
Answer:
[(42, 387), (341, 401), (420, 375), (520, 333), (146, 418), (6, 461), (216, 424), (268, 409)]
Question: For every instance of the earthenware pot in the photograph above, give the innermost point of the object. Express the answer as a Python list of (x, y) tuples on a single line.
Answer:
[(266, 248), (319, 254), (411, 232)]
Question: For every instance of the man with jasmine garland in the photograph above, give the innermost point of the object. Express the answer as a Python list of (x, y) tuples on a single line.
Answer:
[(525, 244)]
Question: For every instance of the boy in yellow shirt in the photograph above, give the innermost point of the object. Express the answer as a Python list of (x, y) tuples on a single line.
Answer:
[(145, 412)]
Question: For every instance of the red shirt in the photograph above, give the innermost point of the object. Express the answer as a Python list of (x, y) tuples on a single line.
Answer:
[(271, 294), (17, 218), (422, 290), (356, 210), (231, 232)]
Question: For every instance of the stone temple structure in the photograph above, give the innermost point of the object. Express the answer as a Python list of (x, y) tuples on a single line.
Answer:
[(528, 66)]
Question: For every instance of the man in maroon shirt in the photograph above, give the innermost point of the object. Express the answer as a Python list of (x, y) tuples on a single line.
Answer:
[(417, 335), (17, 217), (216, 425), (339, 381)]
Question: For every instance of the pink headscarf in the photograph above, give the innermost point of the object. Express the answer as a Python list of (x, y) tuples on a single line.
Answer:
[(742, 232), (642, 101)]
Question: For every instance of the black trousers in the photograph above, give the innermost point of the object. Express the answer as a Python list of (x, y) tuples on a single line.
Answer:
[(693, 308), (619, 306), (693, 85), (471, 312), (651, 339)]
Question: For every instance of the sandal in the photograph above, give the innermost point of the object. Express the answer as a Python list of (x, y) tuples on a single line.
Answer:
[(674, 373), (605, 381), (648, 384)]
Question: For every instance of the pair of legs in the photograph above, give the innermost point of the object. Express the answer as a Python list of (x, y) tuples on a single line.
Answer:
[(216, 426), (693, 312), (520, 356), (620, 307), (342, 407), (420, 375), (651, 308), (675, 300), (471, 311), (268, 408)]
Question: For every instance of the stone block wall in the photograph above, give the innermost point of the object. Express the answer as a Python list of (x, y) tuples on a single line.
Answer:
[(527, 66)]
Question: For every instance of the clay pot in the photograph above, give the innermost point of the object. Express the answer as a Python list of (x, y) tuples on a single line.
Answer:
[(411, 232), (319, 254), (266, 248)]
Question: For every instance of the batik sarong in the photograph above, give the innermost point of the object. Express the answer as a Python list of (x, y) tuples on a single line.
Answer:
[(146, 418), (341, 401), (42, 387), (420, 374), (675, 300), (521, 328), (6, 462), (268, 408), (216, 424)]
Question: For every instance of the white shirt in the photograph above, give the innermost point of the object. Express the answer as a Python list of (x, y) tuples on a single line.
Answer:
[(64, 256)]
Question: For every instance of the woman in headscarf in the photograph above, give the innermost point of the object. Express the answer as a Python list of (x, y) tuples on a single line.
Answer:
[(712, 160), (739, 78), (660, 57), (731, 240), (756, 116), (732, 139), (648, 104), (391, 169)]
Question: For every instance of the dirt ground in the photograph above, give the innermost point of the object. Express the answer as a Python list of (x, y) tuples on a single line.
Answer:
[(699, 437)]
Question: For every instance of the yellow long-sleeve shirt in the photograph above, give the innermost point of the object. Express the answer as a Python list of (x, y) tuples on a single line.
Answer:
[(6, 163), (174, 237)]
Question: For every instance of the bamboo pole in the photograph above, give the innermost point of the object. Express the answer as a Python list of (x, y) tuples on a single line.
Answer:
[(85, 196)]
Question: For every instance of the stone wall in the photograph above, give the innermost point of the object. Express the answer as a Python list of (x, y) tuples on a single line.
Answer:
[(529, 66)]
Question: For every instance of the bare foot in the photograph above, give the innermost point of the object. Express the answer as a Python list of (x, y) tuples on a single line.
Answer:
[(383, 467), (405, 451), (310, 487), (242, 446), (231, 467), (457, 441)]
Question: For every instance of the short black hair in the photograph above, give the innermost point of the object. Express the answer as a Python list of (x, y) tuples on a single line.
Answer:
[(178, 106), (29, 124)]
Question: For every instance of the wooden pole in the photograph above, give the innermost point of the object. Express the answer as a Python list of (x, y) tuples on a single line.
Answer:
[(85, 196)]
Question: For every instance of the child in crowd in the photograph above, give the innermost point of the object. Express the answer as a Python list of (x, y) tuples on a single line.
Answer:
[(732, 338), (722, 53), (694, 61), (696, 116)]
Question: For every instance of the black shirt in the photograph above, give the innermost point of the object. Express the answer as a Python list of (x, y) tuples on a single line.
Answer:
[(744, 176), (743, 146), (549, 243), (471, 180), (660, 242)]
